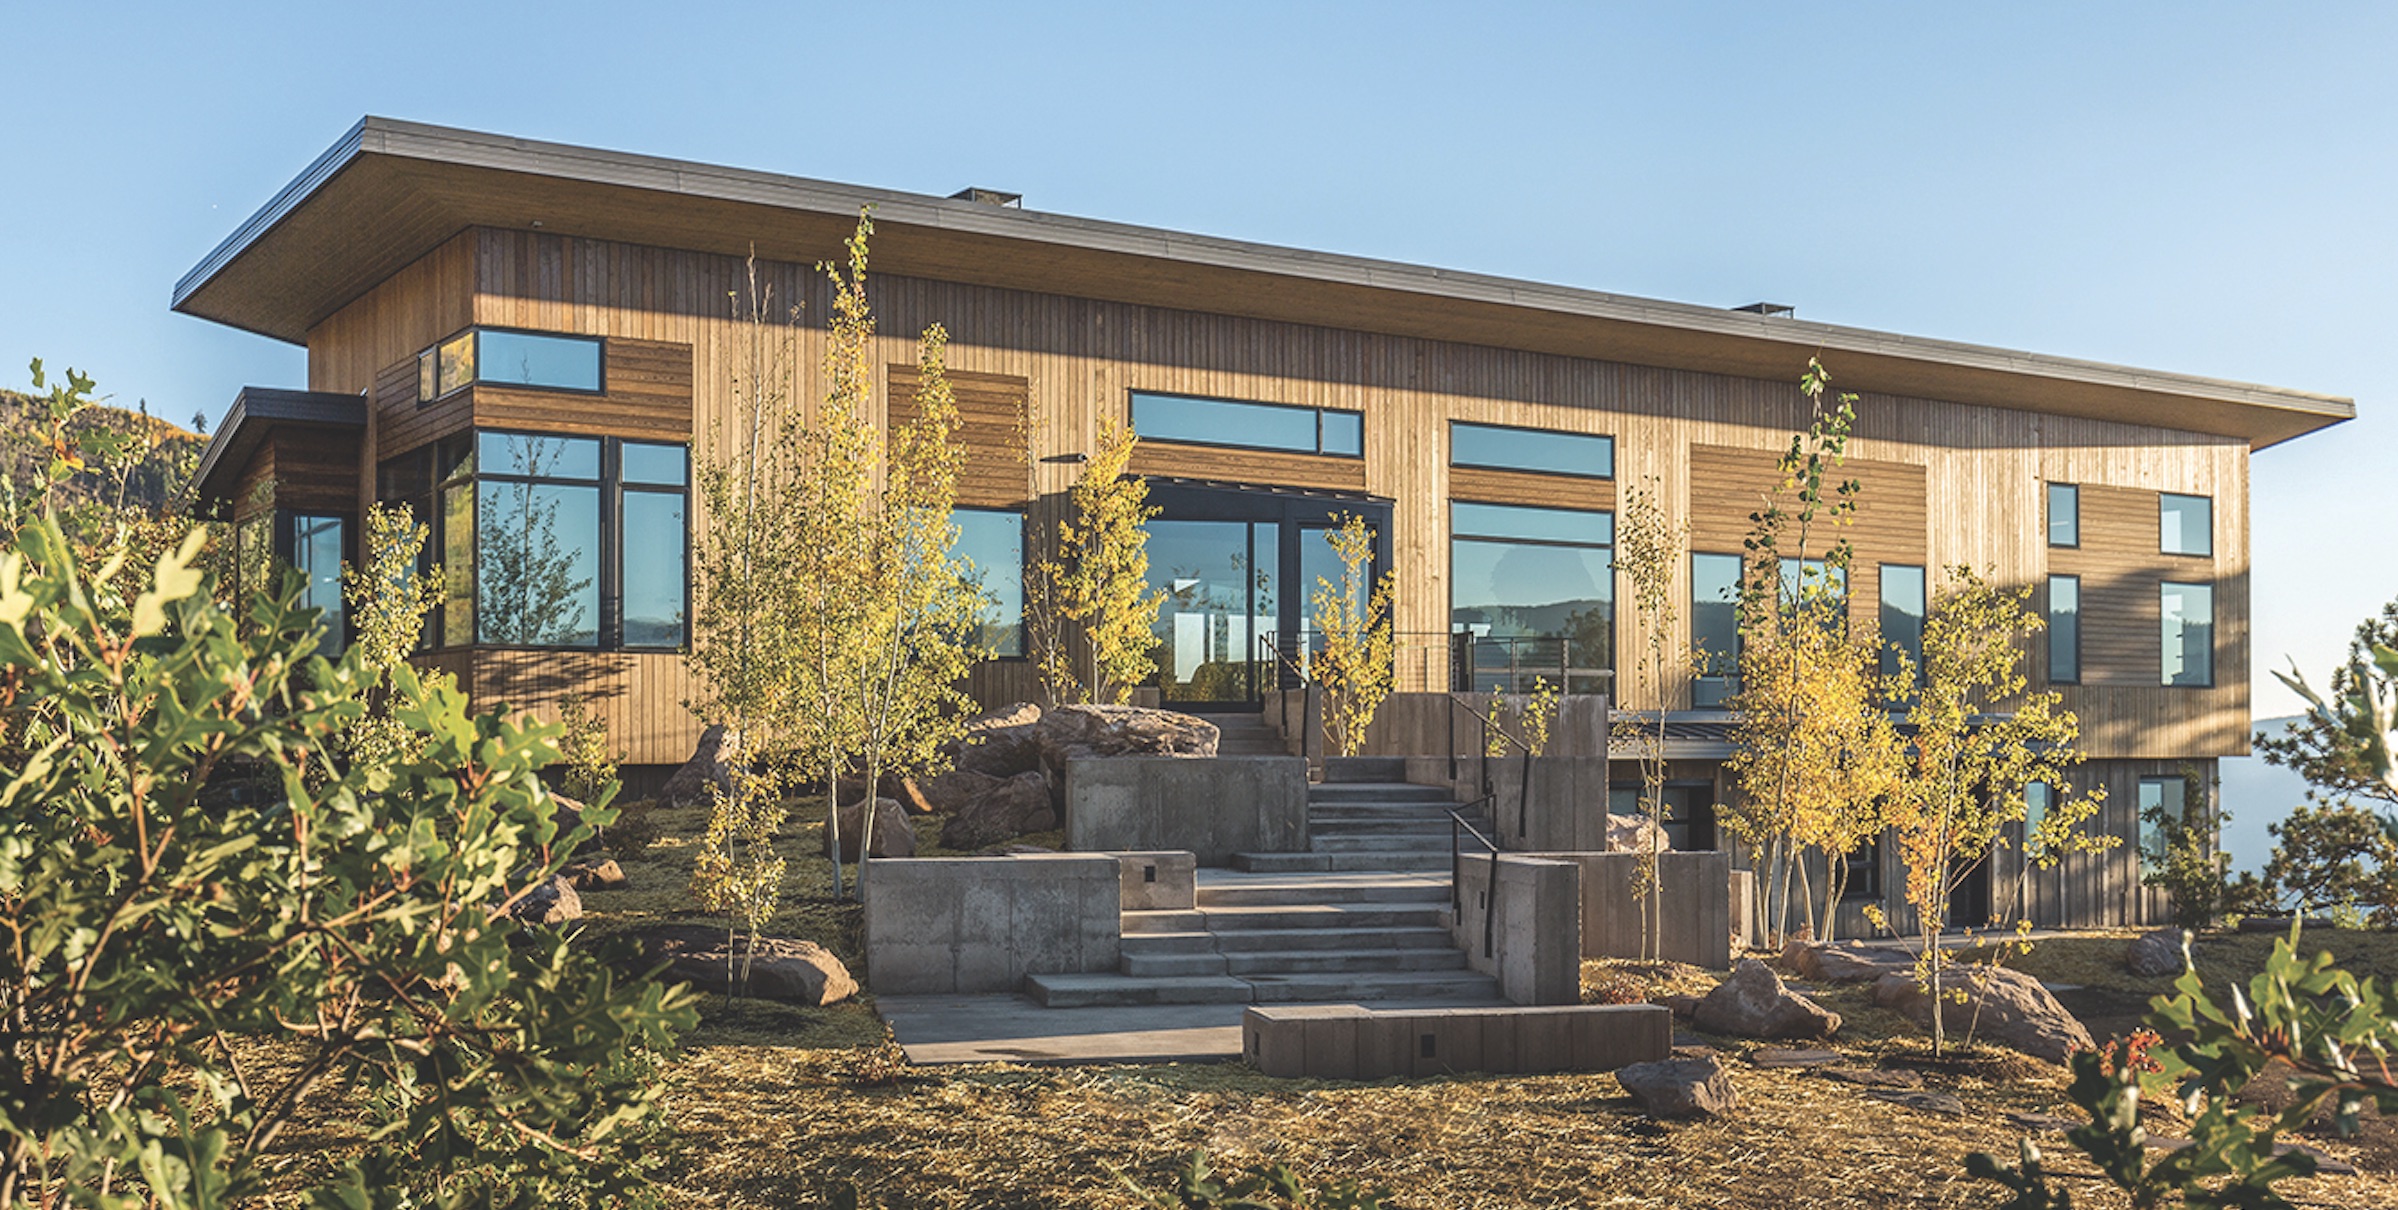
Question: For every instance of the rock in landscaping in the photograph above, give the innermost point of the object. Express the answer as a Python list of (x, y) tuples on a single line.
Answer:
[(1074, 732), (894, 836), (2016, 1012), (2041, 1123), (1697, 1087), (1850, 963), (1872, 1077), (1002, 743), (951, 791), (2155, 953), (1682, 1005), (1634, 833), (1778, 1056), (783, 968), (709, 766), (553, 902), (1009, 809), (1752, 1003), (1946, 1103), (593, 874)]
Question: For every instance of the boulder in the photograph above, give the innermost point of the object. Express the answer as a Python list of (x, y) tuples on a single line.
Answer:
[(894, 836), (2155, 953), (1696, 1087), (2016, 1012), (1633, 834), (1849, 963), (552, 902), (1007, 810), (593, 874), (951, 791), (709, 766), (782, 968), (1682, 1006), (1752, 1003), (1071, 732), (1002, 743)]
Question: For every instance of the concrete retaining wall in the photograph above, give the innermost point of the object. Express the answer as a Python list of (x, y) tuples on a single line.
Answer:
[(1419, 724), (1159, 882), (1565, 811), (1211, 807), (1533, 945), (1350, 1042), (963, 925), (1696, 914)]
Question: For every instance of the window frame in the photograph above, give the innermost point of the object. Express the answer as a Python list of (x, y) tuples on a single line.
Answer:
[(2180, 810), (1455, 461), (2048, 509), (1023, 650), (429, 365), (2209, 502), (1923, 615), (1134, 395), (1729, 681), (2048, 612), (2164, 586), (1492, 537)]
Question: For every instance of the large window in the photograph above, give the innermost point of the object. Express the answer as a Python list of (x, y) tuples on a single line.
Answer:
[(2185, 524), (554, 541), (992, 543), (1714, 629), (317, 544), (545, 360), (1499, 447), (1902, 618), (2165, 797), (2187, 654), (2064, 630), (1536, 589), (1256, 426), (2064, 515)]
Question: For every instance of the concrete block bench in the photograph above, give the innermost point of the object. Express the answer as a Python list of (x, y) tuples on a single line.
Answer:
[(1352, 1042)]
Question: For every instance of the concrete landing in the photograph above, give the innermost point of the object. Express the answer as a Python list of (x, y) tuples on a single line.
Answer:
[(936, 1030)]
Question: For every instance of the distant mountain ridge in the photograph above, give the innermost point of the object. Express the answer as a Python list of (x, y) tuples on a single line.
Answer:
[(155, 481)]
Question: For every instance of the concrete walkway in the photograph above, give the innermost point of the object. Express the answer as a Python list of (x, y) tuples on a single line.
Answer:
[(1013, 1029)]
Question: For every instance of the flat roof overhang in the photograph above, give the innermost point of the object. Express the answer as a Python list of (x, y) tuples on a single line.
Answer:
[(390, 191), (257, 411)]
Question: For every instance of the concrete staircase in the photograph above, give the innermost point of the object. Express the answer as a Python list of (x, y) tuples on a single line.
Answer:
[(1286, 938), (1246, 734), (1361, 826)]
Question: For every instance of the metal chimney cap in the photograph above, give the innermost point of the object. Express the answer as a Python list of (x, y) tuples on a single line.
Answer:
[(989, 197)]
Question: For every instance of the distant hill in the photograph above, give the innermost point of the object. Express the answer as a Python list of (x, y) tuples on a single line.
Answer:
[(155, 482)]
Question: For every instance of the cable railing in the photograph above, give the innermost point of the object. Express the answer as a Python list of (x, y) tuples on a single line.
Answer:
[(1460, 661)]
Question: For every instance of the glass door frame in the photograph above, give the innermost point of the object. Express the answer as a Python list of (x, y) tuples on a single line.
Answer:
[(1299, 515)]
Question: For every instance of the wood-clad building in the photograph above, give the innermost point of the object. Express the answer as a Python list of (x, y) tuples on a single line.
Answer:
[(510, 329)]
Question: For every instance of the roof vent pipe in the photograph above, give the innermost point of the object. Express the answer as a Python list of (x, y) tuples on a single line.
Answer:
[(1774, 310), (989, 197)]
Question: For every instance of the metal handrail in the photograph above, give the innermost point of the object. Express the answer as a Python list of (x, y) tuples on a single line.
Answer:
[(1523, 798), (1307, 693), (1490, 900)]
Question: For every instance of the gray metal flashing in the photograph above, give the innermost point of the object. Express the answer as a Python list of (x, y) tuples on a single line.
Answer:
[(256, 411), (1063, 234)]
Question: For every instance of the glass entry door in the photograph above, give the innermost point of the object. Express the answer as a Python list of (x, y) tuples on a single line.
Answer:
[(1221, 580)]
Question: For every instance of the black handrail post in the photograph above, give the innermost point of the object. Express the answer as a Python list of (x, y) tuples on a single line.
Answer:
[(1456, 867)]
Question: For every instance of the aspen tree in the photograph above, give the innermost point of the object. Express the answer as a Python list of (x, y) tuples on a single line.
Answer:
[(1649, 549), (1356, 666), (1091, 595)]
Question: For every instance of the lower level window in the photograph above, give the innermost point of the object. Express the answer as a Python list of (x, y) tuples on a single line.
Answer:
[(318, 544), (2162, 801)]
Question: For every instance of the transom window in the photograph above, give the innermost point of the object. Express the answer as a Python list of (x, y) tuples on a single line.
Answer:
[(2185, 524), (1194, 420), (548, 540), (542, 360), (1505, 448)]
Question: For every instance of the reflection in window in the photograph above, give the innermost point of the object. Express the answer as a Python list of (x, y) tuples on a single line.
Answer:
[(1536, 589), (2064, 630), (992, 542), (546, 360), (1715, 629), (2159, 795), (2038, 798), (1258, 426), (2064, 514), (1222, 586), (654, 576), (1499, 447), (2188, 638), (2185, 524), (1902, 618), (316, 552)]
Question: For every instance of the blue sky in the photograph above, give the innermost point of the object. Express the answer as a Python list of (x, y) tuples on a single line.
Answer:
[(2192, 187)]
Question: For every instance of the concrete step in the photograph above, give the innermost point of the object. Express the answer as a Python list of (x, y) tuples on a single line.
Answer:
[(1379, 842), (1369, 938), (1325, 962), (1431, 811), (1427, 862), (1264, 889), (1164, 922), (1114, 990), (1345, 988), (1375, 791), (1329, 916), (1172, 966), (1262, 747), (1198, 941)]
